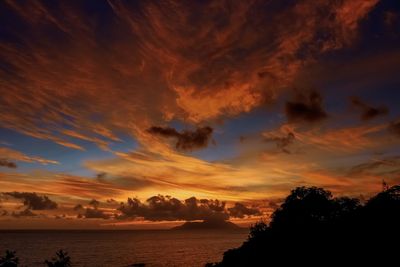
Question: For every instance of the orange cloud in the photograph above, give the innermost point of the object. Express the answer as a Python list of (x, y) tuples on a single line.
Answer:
[(11, 154), (198, 63), (347, 139), (348, 15), (180, 175), (199, 70)]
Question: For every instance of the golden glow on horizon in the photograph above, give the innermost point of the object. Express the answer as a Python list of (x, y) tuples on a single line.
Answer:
[(89, 93)]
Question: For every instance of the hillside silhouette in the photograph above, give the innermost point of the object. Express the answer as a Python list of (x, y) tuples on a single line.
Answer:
[(313, 228)]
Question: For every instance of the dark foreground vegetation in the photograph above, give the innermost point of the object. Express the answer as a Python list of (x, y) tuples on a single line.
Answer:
[(313, 228), (60, 260)]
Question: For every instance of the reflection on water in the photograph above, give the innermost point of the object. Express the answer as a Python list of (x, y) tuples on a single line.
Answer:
[(122, 248)]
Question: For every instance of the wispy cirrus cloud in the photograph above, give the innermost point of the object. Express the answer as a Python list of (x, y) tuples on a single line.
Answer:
[(224, 68), (344, 139), (282, 142), (12, 154)]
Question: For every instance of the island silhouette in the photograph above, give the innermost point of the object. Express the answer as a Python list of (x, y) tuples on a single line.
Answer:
[(208, 225)]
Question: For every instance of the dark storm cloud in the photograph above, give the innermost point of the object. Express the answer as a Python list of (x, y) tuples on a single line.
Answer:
[(306, 108), (60, 217), (368, 112), (8, 164), (25, 213), (94, 203), (91, 213), (166, 208), (78, 207), (240, 211), (283, 142), (185, 140), (111, 201), (95, 213), (34, 201)]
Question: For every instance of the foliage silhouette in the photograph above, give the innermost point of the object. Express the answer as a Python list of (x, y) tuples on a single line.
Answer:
[(61, 260), (313, 228), (9, 260)]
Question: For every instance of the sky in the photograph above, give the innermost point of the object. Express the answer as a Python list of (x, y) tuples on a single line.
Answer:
[(146, 114)]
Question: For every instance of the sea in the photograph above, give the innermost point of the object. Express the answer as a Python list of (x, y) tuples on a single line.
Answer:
[(122, 248)]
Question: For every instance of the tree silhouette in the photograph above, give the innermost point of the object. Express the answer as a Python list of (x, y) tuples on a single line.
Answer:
[(304, 207), (313, 228), (61, 260), (9, 260)]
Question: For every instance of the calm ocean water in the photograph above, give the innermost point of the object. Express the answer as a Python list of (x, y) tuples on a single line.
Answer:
[(122, 248)]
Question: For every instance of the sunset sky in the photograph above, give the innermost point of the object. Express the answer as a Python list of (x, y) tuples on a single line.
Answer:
[(192, 109)]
